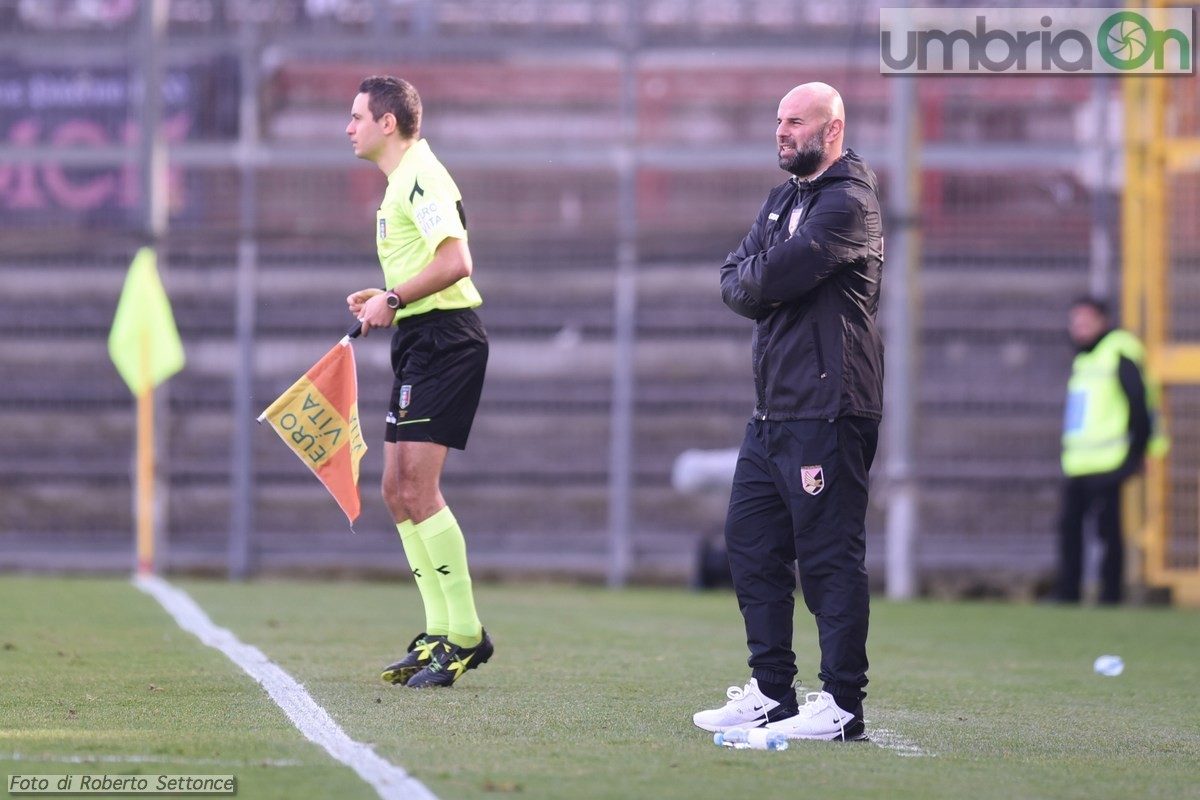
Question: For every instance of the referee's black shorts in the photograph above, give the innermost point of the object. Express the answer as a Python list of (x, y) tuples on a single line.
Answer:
[(438, 360)]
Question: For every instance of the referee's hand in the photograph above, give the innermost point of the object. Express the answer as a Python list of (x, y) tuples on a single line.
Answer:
[(369, 307)]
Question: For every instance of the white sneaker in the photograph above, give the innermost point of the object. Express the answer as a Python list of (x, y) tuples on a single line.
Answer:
[(747, 708), (821, 718)]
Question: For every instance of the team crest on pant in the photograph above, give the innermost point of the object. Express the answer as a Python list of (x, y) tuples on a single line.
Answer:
[(812, 479), (405, 396)]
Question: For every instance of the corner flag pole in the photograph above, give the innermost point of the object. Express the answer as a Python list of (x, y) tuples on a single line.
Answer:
[(145, 348), (145, 465)]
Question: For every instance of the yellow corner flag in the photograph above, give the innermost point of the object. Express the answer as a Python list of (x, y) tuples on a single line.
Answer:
[(318, 419), (144, 345), (144, 342)]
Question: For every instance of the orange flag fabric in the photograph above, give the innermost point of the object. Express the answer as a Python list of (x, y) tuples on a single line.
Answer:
[(318, 418)]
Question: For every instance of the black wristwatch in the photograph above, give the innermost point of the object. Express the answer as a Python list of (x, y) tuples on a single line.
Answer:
[(394, 302)]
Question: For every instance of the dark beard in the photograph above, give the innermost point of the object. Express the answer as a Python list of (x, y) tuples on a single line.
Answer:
[(807, 159)]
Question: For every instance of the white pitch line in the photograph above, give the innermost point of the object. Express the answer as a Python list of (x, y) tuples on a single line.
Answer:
[(900, 745), (389, 780)]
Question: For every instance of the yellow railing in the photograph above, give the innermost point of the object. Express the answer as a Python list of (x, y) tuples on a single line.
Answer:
[(1157, 150)]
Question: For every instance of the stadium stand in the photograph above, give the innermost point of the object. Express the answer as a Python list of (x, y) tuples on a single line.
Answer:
[(529, 131)]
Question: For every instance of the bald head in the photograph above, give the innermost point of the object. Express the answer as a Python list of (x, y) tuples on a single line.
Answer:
[(812, 120), (817, 100)]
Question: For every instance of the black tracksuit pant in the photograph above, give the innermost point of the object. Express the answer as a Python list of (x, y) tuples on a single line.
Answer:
[(800, 495), (1083, 496)]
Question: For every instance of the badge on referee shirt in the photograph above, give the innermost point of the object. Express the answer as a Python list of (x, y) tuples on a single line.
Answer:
[(382, 228), (812, 479)]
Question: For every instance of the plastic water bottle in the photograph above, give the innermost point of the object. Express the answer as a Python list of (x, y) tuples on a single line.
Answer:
[(1109, 665), (751, 739)]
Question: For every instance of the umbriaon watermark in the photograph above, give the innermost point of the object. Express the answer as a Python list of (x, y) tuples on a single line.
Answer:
[(1009, 41)]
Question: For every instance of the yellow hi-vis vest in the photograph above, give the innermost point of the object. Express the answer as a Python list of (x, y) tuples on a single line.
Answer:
[(1096, 420)]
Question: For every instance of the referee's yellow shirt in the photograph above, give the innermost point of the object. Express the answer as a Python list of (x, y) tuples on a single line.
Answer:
[(420, 209)]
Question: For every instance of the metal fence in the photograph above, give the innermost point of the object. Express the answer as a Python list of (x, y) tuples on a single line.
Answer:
[(610, 154)]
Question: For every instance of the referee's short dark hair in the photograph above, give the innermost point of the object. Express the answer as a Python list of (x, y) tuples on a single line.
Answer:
[(397, 97), (1097, 304)]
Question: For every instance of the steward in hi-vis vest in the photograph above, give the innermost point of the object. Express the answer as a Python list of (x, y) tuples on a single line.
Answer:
[(1109, 426), (1112, 414)]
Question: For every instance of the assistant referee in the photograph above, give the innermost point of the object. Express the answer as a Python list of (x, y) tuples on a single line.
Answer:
[(439, 356)]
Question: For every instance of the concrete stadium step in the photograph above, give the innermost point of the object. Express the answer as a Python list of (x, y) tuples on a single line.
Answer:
[(532, 491)]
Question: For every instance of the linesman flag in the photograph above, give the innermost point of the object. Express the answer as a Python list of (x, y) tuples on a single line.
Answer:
[(144, 342), (318, 418)]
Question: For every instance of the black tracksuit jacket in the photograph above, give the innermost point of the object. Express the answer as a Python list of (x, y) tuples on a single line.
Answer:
[(813, 295)]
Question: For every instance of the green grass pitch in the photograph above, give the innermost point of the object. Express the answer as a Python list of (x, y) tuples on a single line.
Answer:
[(590, 695)]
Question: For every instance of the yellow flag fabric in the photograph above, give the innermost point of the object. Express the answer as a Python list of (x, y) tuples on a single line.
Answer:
[(318, 419), (144, 342)]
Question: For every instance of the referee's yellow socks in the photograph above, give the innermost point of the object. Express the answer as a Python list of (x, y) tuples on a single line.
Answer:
[(437, 617), (447, 552)]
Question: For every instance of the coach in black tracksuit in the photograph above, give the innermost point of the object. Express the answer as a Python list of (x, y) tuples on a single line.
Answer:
[(808, 274)]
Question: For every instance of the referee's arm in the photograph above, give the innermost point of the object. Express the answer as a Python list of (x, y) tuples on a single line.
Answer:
[(451, 263)]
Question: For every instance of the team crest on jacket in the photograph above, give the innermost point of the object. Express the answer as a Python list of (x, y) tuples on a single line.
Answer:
[(812, 479), (794, 220)]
